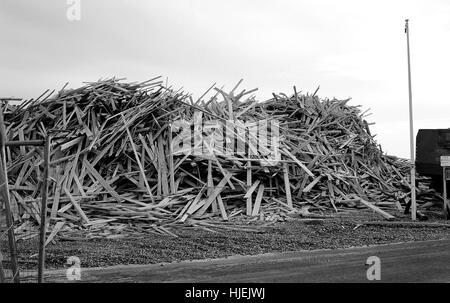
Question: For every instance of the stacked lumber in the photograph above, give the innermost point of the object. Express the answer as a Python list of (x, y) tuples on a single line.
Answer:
[(114, 170)]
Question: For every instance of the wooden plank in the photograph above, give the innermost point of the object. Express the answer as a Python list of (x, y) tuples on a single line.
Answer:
[(141, 184), (287, 184), (376, 209), (71, 143), (21, 174), (64, 115), (332, 197), (64, 208), (5, 195), (249, 183), (54, 231), (298, 162), (171, 164), (196, 204), (74, 167), (258, 200), (67, 172), (44, 195), (79, 186), (210, 183), (141, 168), (252, 189), (22, 138), (311, 185), (219, 188), (102, 181), (76, 206), (284, 204), (223, 211), (15, 208), (163, 167), (57, 193)]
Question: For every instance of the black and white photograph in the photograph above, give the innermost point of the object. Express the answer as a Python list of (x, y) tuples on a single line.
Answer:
[(232, 150)]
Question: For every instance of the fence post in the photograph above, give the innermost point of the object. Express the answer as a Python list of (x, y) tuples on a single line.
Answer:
[(2, 272), (4, 192), (44, 194)]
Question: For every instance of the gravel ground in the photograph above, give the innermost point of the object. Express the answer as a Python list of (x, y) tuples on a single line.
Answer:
[(199, 244)]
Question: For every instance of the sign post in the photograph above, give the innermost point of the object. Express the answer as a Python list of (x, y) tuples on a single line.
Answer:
[(445, 162)]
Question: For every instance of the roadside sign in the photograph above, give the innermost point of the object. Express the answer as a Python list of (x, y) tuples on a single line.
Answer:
[(445, 161)]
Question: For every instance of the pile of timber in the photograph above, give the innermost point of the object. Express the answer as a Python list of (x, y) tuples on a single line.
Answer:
[(114, 170)]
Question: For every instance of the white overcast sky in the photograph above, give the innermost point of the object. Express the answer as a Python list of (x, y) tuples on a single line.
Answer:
[(350, 48)]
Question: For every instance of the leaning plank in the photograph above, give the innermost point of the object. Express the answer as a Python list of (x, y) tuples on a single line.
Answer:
[(102, 181), (193, 207), (185, 208), (76, 206), (138, 161), (331, 192), (376, 209), (210, 183), (287, 184), (311, 185), (79, 186), (223, 211), (196, 205), (163, 167), (252, 189), (56, 197), (249, 183), (219, 188), (71, 143), (288, 153), (55, 230), (171, 164), (258, 199), (284, 204)]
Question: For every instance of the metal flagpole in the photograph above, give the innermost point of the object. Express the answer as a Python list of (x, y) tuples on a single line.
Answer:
[(411, 132)]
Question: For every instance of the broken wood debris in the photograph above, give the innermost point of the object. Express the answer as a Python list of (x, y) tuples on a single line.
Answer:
[(115, 170)]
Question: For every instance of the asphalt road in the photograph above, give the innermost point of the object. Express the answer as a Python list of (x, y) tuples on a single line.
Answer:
[(427, 261)]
